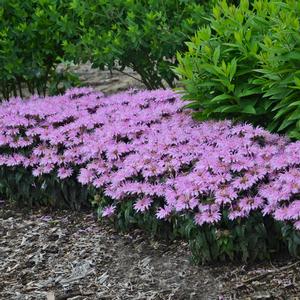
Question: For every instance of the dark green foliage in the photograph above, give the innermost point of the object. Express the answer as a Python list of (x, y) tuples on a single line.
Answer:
[(31, 36), (245, 65), (142, 34), (21, 188), (251, 239), (292, 239), (127, 219), (279, 70), (61, 81), (255, 238)]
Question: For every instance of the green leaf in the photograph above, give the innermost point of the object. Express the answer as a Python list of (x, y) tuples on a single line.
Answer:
[(219, 98), (295, 115), (229, 109), (294, 134), (248, 92), (282, 112), (216, 55), (232, 68), (297, 81), (285, 124), (192, 105), (249, 109)]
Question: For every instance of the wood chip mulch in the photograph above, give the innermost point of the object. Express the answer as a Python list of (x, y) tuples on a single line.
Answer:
[(67, 255)]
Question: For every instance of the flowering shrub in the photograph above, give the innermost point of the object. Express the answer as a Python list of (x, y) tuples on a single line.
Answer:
[(143, 156)]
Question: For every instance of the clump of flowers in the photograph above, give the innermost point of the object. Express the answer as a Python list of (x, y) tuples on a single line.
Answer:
[(144, 146)]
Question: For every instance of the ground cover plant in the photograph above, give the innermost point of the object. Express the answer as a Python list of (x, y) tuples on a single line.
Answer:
[(244, 65), (232, 190)]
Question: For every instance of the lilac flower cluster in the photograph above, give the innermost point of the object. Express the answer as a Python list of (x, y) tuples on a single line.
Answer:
[(144, 146)]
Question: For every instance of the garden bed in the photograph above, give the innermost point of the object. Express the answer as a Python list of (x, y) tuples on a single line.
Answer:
[(70, 256), (135, 195)]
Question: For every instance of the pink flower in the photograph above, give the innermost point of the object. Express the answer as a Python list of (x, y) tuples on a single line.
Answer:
[(64, 173), (297, 225), (237, 211), (163, 212), (37, 172), (251, 203), (211, 215), (143, 204), (85, 176), (108, 211)]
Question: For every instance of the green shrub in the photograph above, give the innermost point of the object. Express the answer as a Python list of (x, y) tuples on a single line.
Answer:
[(31, 36), (279, 74), (244, 65), (142, 35)]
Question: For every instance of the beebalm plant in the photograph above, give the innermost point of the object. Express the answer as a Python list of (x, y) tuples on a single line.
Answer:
[(142, 35), (244, 65), (145, 161)]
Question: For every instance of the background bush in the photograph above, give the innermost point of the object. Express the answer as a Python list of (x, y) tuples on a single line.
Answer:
[(244, 65), (31, 37), (143, 35), (36, 35)]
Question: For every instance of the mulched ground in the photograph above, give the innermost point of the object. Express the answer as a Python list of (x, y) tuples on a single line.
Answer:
[(104, 80), (67, 255)]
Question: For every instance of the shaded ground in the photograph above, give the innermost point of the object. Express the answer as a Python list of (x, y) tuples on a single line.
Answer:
[(71, 256), (106, 81)]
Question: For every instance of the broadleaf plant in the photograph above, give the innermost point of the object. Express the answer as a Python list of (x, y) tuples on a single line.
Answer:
[(31, 37), (141, 35), (244, 65)]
